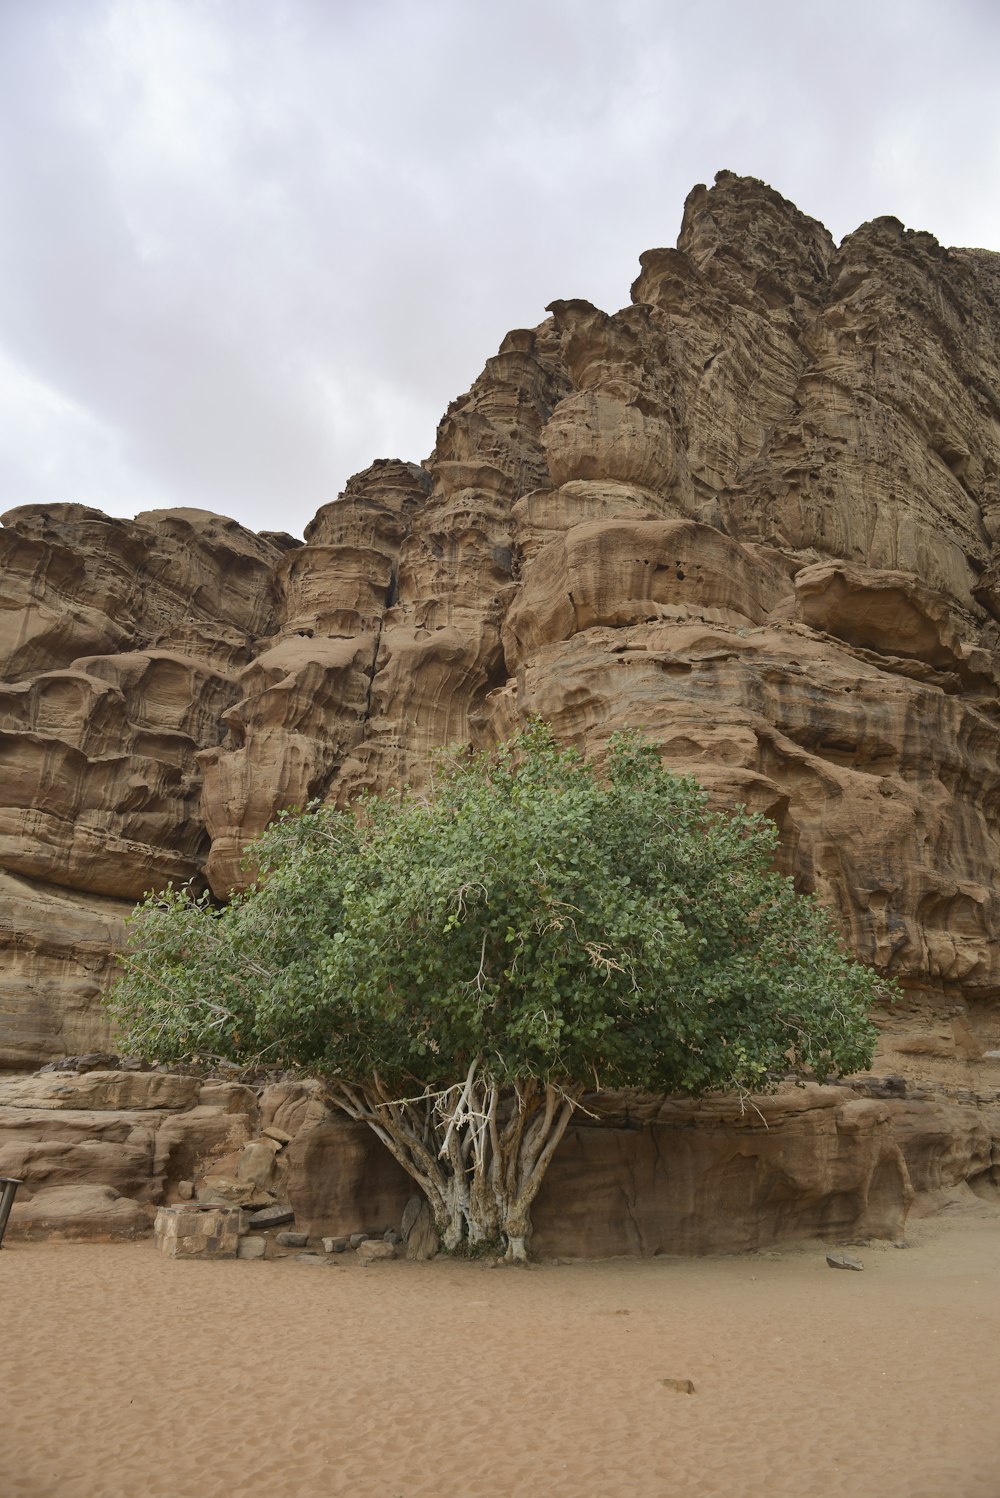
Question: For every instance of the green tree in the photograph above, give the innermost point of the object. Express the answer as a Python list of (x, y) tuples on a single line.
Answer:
[(462, 967)]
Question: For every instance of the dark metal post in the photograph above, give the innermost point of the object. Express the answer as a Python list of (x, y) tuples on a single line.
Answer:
[(8, 1191)]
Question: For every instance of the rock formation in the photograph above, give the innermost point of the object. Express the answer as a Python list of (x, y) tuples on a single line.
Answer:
[(120, 648), (755, 513), (97, 1152)]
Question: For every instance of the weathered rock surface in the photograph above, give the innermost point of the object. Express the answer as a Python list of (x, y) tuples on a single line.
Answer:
[(374, 1251), (73, 1212), (104, 1091), (121, 644), (844, 1261), (418, 1231), (184, 1232), (337, 1176), (98, 1152), (755, 513), (634, 1176), (712, 1176)]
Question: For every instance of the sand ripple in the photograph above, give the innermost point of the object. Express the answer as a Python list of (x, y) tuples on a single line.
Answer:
[(124, 1374)]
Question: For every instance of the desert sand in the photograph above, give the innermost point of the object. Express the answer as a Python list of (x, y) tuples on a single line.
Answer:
[(125, 1374)]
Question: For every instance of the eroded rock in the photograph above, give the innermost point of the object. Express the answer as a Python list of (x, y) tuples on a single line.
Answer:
[(634, 1175), (421, 1236), (79, 1211), (755, 513), (715, 1176), (374, 1251)]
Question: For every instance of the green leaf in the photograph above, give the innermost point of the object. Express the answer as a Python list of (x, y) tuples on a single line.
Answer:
[(553, 918)]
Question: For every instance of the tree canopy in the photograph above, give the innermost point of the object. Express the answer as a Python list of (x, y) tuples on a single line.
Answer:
[(462, 966)]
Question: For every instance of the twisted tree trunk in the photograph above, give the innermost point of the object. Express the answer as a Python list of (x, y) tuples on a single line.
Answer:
[(478, 1150)]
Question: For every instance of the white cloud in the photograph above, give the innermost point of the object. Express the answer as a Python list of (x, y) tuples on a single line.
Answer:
[(52, 448), (259, 244)]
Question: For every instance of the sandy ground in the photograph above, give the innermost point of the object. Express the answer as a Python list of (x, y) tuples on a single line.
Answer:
[(124, 1374)]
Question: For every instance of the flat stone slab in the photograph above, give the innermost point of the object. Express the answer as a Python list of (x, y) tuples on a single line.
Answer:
[(271, 1217), (843, 1261), (103, 1091), (80, 1212)]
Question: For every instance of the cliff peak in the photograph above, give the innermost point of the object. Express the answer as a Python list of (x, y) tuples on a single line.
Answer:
[(755, 513)]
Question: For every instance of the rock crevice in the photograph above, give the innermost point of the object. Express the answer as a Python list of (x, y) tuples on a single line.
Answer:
[(755, 513)]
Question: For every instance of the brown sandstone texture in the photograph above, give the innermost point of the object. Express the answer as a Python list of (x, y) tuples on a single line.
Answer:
[(120, 646), (755, 514), (99, 1153)]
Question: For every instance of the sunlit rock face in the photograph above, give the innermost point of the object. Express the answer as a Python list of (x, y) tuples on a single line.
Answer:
[(753, 514)]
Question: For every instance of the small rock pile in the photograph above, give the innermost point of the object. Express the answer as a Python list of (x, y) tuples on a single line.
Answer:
[(254, 1177), (209, 1230)]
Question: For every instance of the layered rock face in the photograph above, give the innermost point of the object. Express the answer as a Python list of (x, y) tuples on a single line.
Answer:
[(98, 1151), (120, 648), (754, 514)]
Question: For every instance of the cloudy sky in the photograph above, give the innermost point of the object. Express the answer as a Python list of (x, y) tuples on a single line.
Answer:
[(248, 246)]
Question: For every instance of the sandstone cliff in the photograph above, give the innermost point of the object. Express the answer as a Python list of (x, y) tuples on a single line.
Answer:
[(755, 513), (97, 1151)]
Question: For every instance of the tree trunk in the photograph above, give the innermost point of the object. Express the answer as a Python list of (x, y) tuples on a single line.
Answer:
[(452, 1228), (477, 1151)]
